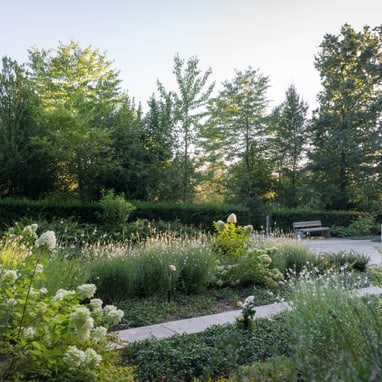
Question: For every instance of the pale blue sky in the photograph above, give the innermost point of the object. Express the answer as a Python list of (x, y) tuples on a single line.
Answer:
[(279, 37)]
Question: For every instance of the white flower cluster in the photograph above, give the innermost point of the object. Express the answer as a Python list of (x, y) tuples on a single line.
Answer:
[(9, 276), (47, 239), (76, 358), (82, 321), (61, 293), (98, 333), (86, 290), (96, 304), (29, 231), (113, 314)]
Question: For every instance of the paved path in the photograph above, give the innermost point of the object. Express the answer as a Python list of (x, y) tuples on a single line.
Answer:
[(199, 324), (366, 247)]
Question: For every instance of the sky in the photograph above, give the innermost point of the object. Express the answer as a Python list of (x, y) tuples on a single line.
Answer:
[(278, 37)]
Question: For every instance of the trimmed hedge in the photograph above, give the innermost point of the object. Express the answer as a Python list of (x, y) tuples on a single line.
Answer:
[(197, 215)]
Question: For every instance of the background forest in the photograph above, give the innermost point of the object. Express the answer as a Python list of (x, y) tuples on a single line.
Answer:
[(68, 131)]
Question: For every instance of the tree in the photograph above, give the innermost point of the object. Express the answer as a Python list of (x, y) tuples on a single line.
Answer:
[(24, 172), (80, 93), (346, 129), (130, 159), (164, 172), (289, 141), (188, 110), (236, 134)]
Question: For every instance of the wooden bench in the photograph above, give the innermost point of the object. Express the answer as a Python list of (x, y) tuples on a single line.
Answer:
[(302, 229)]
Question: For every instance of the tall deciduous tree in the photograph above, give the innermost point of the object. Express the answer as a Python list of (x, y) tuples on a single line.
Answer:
[(189, 101), (80, 92), (289, 141), (236, 134), (24, 172), (346, 129)]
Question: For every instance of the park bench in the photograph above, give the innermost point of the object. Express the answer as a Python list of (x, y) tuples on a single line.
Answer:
[(302, 229)]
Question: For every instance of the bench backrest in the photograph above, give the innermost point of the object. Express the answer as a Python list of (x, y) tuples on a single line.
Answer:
[(311, 223)]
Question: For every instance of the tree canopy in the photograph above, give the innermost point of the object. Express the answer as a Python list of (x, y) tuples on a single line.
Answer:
[(69, 130)]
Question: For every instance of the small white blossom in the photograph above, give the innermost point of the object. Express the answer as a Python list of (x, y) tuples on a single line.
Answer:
[(232, 219), (113, 314), (11, 302), (172, 268), (249, 301), (43, 290), (9, 276), (47, 239), (86, 290), (74, 357), (96, 304), (92, 359), (98, 333), (29, 333), (61, 293), (82, 322)]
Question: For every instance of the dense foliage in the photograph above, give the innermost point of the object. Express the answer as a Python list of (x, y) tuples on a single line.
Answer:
[(69, 130)]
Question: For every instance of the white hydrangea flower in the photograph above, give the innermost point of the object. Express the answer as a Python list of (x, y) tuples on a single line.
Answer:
[(249, 301), (43, 290), (96, 304), (113, 314), (99, 333), (47, 239), (74, 357), (232, 218), (30, 231), (61, 293), (9, 276), (86, 290), (82, 322), (92, 358)]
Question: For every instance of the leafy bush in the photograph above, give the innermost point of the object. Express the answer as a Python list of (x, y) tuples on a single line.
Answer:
[(45, 337), (351, 260), (362, 225), (115, 210), (274, 369), (231, 240)]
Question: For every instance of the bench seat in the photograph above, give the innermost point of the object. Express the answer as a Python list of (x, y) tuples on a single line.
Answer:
[(302, 228)]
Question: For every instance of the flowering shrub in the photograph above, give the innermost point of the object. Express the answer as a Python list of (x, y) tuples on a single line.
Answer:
[(240, 263), (247, 312), (46, 336), (231, 239)]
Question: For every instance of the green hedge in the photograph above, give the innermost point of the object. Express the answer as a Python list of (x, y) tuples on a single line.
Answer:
[(283, 219), (198, 215)]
